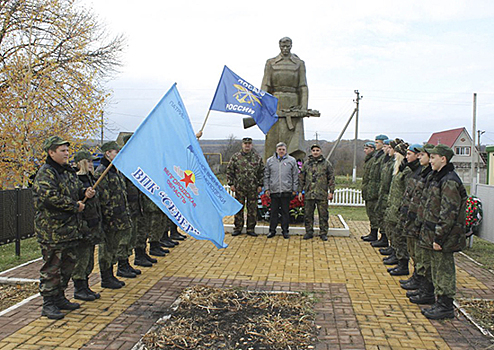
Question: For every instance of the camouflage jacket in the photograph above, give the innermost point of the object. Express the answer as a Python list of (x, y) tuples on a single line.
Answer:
[(245, 171), (91, 215), (374, 182), (413, 222), (410, 183), (56, 191), (369, 159), (396, 192), (134, 198), (148, 205), (113, 198), (316, 178), (444, 211), (386, 177)]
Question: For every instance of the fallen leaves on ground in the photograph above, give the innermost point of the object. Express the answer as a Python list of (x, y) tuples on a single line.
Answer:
[(213, 318), (481, 310)]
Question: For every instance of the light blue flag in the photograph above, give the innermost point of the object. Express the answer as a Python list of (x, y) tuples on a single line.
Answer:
[(164, 160), (235, 95)]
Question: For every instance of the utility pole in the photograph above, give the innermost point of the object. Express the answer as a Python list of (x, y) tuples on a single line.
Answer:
[(473, 189), (102, 125), (479, 158), (317, 139), (357, 100)]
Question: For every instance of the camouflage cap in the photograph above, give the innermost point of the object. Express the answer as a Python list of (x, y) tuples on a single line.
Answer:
[(415, 148), (83, 154), (401, 148), (426, 148), (381, 137), (443, 150), (395, 142), (54, 140), (315, 145), (247, 140), (370, 144), (110, 145), (126, 138)]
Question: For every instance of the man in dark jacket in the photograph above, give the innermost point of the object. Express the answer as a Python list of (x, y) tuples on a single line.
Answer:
[(280, 184), (443, 230), (58, 196), (316, 180)]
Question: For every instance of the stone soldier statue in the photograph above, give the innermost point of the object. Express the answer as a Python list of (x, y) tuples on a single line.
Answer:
[(284, 78)]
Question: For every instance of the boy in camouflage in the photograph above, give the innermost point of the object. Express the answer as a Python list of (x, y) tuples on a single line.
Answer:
[(443, 229), (57, 195), (245, 173), (316, 180), (116, 218)]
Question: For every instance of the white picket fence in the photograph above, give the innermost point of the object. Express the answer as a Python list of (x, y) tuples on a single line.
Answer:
[(347, 197)]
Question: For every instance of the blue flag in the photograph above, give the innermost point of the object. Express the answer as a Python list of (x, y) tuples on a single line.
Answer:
[(164, 160), (235, 95)]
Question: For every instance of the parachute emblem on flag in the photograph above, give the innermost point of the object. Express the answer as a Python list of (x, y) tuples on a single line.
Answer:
[(243, 95)]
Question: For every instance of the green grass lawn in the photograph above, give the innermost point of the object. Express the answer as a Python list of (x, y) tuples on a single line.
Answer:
[(482, 251), (349, 213), (29, 250)]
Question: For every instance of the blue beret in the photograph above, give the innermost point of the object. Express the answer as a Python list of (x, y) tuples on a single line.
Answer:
[(370, 144), (381, 137), (415, 148), (386, 142)]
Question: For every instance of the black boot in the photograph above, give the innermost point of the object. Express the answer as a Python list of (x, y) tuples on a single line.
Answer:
[(412, 278), (131, 268), (372, 236), (96, 294), (155, 249), (51, 310), (151, 259), (64, 304), (390, 260), (401, 269), (387, 251), (123, 269), (382, 242), (108, 282), (140, 258), (412, 293), (444, 309), (165, 241), (80, 291), (426, 293), (174, 233), (112, 276), (413, 283)]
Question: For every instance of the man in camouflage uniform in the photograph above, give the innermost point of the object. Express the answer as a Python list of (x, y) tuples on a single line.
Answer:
[(369, 150), (443, 229), (424, 289), (57, 195), (244, 175), (117, 224), (382, 201), (372, 189), (316, 180), (154, 223)]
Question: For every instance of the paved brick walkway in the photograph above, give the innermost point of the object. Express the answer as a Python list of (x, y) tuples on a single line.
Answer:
[(362, 307)]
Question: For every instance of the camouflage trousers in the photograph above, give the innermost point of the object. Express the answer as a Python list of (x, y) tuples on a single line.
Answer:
[(143, 227), (411, 247), (248, 201), (126, 244), (84, 264), (443, 272), (58, 264), (390, 229), (107, 249), (400, 243), (373, 214), (423, 262), (155, 225), (322, 209)]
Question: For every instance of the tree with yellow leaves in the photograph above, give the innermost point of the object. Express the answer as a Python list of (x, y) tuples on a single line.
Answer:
[(54, 58)]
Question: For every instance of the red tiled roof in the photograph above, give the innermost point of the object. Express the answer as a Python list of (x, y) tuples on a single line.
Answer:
[(447, 137)]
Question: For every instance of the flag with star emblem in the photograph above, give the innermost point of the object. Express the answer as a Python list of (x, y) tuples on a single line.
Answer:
[(164, 160)]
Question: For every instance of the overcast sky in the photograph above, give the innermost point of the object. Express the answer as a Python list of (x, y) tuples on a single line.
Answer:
[(416, 63)]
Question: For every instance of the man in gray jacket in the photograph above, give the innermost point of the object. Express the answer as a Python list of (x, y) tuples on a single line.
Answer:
[(280, 184)]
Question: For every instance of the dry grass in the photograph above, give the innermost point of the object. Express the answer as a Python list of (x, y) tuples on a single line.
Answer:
[(11, 294)]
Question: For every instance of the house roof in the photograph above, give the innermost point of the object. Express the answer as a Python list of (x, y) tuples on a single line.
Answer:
[(447, 137)]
